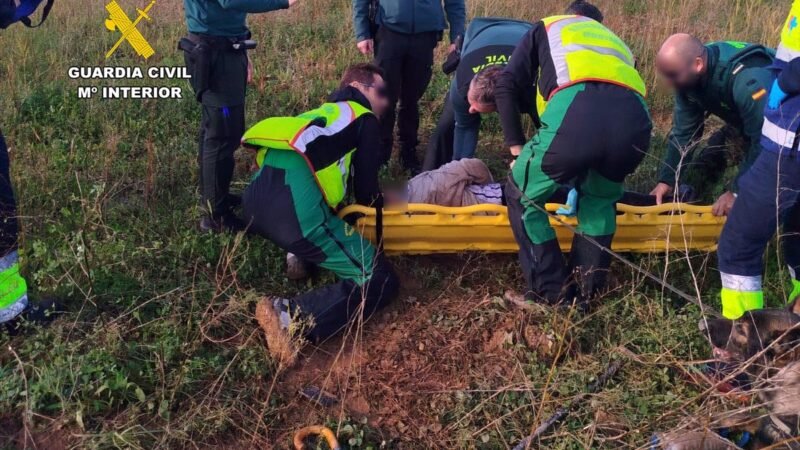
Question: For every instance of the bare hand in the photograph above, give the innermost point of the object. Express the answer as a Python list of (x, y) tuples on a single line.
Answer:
[(516, 150), (723, 204), (366, 47), (292, 2), (452, 48), (660, 191)]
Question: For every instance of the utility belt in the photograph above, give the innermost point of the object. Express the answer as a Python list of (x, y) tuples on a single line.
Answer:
[(200, 50), (218, 43)]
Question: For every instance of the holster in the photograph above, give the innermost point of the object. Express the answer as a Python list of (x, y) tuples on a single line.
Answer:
[(198, 62)]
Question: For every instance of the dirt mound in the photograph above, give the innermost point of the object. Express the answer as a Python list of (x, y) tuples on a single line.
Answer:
[(406, 368)]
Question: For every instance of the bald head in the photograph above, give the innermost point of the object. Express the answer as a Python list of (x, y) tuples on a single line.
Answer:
[(681, 61)]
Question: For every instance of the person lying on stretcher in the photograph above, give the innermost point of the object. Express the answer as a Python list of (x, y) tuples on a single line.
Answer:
[(468, 182)]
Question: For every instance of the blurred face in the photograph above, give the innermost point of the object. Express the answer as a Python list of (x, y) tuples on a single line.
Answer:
[(375, 93), (476, 106), (680, 74)]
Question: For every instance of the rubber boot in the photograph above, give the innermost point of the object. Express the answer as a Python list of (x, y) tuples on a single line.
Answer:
[(37, 314), (588, 265)]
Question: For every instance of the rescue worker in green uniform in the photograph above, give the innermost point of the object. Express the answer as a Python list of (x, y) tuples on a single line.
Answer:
[(595, 130), (729, 80), (216, 57), (307, 165)]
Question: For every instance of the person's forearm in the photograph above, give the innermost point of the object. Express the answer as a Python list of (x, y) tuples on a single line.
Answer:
[(514, 82), (456, 17), (687, 125), (361, 23), (511, 122), (669, 167), (366, 162), (254, 6)]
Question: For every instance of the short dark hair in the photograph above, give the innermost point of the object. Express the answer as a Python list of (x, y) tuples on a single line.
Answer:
[(484, 84), (363, 73), (586, 9)]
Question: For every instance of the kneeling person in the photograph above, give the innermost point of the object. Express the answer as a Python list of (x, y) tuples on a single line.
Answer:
[(306, 165)]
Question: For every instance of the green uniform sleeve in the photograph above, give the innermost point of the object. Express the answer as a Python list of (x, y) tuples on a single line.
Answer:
[(254, 6), (688, 120), (750, 92)]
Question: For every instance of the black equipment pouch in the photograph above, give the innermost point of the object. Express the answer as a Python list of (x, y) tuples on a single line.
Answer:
[(198, 62)]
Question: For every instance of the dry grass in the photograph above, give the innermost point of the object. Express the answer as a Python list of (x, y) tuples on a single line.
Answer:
[(161, 349)]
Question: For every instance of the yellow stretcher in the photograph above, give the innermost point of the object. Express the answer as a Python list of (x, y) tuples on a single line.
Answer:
[(425, 229)]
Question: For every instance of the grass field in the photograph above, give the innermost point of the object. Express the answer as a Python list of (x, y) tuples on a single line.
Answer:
[(160, 349)]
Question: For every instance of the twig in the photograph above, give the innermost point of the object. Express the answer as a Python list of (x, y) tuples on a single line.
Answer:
[(25, 417), (563, 411)]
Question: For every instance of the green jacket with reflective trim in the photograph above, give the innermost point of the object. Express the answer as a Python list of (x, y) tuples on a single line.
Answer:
[(225, 18), (340, 142), (735, 89)]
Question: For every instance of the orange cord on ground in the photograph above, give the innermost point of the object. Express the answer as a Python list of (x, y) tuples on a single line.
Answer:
[(325, 432)]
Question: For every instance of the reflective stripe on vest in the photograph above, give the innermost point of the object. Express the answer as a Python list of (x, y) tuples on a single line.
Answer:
[(781, 136), (13, 288), (789, 48), (584, 50), (297, 133), (342, 114)]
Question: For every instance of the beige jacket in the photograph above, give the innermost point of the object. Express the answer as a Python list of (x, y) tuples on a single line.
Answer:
[(447, 185)]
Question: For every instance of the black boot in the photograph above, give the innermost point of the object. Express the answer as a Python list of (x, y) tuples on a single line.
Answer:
[(588, 267), (38, 314), (226, 223), (234, 201)]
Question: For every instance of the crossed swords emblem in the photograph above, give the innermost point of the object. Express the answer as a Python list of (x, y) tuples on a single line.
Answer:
[(119, 21)]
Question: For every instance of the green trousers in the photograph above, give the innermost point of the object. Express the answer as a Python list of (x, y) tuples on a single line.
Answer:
[(593, 135), (284, 204)]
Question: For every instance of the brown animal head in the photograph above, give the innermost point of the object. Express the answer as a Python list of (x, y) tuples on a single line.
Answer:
[(769, 340), (773, 334)]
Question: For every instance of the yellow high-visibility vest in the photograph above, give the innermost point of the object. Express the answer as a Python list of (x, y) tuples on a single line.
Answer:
[(296, 133), (584, 50), (789, 48)]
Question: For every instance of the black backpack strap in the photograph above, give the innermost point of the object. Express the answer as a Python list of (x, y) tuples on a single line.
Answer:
[(45, 12)]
